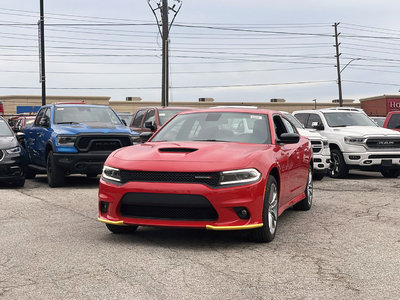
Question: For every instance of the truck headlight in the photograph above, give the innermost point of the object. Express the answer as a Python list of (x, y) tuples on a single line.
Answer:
[(354, 140), (243, 176), (66, 140), (112, 174), (15, 150)]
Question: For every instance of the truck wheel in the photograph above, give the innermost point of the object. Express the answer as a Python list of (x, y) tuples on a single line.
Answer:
[(55, 175), (338, 168), (390, 173)]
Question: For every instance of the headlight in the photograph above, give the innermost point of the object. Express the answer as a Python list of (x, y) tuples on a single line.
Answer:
[(14, 150), (353, 140), (239, 176), (66, 140), (111, 174)]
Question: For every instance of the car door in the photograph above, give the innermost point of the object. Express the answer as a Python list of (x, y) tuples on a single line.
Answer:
[(300, 161), (150, 117), (43, 134), (31, 137), (287, 161)]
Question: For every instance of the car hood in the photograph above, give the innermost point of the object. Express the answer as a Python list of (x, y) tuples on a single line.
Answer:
[(365, 131), (7, 142), (309, 134), (91, 128), (199, 156)]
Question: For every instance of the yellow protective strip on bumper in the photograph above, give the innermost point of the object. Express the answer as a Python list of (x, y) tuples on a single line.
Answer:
[(121, 223), (242, 227)]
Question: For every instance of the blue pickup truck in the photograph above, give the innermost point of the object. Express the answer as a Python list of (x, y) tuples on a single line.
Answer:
[(73, 139)]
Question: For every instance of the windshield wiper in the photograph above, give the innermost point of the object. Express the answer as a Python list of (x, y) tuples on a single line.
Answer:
[(209, 140), (339, 126), (71, 122)]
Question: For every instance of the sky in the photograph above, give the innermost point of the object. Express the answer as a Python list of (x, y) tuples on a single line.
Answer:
[(229, 50)]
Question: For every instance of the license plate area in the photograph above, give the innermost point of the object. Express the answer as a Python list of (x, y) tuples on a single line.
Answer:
[(386, 163)]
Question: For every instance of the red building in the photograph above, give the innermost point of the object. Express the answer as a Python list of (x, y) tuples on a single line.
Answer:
[(379, 106)]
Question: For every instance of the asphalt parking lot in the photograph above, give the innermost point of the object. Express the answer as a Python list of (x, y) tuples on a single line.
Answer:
[(346, 247)]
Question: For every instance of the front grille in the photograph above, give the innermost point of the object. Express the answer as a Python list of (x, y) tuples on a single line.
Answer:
[(1, 154), (167, 207), (209, 178), (383, 143), (316, 146), (101, 143)]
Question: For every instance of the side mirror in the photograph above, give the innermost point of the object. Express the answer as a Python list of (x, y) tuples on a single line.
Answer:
[(20, 136), (145, 136), (150, 125), (44, 122), (317, 126), (289, 138)]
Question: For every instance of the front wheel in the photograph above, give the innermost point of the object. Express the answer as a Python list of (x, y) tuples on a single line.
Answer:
[(338, 167), (55, 175), (390, 173), (266, 233)]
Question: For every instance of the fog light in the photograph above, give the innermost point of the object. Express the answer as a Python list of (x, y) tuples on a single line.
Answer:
[(320, 165), (242, 212), (104, 206), (354, 157), (368, 162)]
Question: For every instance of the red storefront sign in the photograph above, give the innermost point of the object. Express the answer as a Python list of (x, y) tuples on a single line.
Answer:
[(392, 105)]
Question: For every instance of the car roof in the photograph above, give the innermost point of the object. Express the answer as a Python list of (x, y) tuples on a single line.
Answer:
[(233, 109), (165, 107), (77, 104)]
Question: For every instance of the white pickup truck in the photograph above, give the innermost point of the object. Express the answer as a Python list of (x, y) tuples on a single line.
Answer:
[(355, 141), (320, 147)]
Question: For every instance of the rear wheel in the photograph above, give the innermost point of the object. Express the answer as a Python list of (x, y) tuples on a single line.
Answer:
[(266, 233), (338, 167), (117, 229), (390, 173), (306, 203), (55, 175)]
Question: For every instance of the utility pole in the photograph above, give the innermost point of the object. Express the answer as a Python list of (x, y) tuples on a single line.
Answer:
[(41, 53), (339, 79), (163, 22)]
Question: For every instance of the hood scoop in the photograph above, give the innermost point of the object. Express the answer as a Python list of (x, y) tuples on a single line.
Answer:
[(177, 150)]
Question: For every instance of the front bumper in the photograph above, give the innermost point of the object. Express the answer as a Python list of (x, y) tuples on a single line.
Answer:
[(12, 167), (81, 163), (321, 163), (223, 200), (372, 160)]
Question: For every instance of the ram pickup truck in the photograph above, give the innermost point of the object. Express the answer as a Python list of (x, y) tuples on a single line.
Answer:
[(73, 139), (355, 141)]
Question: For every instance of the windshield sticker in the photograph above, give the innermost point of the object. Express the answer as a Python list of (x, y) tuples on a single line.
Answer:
[(161, 114), (60, 108), (256, 117)]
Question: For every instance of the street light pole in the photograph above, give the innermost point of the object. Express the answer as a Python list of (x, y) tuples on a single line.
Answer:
[(42, 53), (339, 79)]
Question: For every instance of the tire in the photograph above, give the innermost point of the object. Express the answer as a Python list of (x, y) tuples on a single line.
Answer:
[(266, 233), (306, 203), (117, 229), (55, 175), (318, 176), (390, 173), (338, 168), (29, 173)]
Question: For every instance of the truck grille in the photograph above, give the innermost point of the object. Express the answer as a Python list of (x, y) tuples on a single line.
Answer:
[(316, 146), (101, 143), (210, 178), (383, 143), (167, 207)]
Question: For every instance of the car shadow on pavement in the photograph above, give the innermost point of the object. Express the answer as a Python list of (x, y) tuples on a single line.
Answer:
[(74, 181)]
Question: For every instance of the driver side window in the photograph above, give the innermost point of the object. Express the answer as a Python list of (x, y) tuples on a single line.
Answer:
[(279, 126)]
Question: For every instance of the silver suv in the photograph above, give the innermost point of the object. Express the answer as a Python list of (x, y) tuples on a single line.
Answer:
[(355, 141)]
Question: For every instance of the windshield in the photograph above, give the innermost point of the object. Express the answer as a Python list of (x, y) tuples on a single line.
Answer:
[(293, 119), (4, 129), (218, 127), (348, 118), (85, 114), (166, 114)]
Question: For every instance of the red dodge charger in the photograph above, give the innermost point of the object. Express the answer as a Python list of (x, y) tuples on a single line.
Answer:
[(218, 169)]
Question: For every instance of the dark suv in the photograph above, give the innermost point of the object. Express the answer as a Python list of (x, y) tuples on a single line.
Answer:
[(12, 156)]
